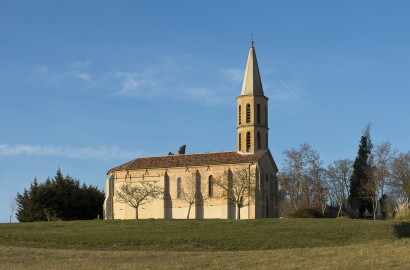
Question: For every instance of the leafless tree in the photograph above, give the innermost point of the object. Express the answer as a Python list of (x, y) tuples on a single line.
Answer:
[(191, 191), (378, 171), (240, 187), (138, 193), (12, 206), (400, 175), (51, 214), (316, 172), (338, 175), (296, 162)]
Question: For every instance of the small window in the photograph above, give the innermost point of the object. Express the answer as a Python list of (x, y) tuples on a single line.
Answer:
[(258, 114), (240, 142), (267, 177), (239, 114), (211, 186), (241, 201), (248, 113), (258, 140), (179, 188), (266, 115), (248, 141)]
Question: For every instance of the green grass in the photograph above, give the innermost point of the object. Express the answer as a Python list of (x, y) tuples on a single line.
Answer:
[(202, 235)]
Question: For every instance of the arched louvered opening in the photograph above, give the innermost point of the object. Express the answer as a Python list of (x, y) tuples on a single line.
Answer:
[(240, 142), (211, 186), (266, 115), (248, 113), (179, 188), (240, 115), (258, 140), (258, 114), (248, 141)]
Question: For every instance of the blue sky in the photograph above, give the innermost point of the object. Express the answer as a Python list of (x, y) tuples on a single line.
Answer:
[(89, 85)]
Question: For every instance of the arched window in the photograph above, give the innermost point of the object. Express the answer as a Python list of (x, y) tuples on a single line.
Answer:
[(240, 142), (258, 140), (179, 188), (241, 201), (258, 114), (266, 115), (240, 114), (248, 113), (248, 141), (267, 140), (211, 186)]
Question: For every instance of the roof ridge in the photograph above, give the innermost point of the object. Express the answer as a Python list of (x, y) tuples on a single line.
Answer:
[(187, 154)]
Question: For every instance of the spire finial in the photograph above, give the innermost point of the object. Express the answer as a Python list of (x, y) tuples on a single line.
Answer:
[(252, 41)]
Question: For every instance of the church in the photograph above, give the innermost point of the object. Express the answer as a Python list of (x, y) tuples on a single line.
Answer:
[(171, 171)]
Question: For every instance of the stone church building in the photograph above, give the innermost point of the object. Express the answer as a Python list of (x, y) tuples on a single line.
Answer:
[(170, 172)]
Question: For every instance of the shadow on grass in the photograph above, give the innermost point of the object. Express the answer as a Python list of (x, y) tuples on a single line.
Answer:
[(402, 230)]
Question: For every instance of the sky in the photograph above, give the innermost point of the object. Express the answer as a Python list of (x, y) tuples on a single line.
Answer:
[(88, 85)]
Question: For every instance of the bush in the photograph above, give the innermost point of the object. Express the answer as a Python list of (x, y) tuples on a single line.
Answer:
[(403, 210), (306, 213)]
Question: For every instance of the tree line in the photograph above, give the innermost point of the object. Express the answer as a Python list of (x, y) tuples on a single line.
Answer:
[(378, 177), (59, 198)]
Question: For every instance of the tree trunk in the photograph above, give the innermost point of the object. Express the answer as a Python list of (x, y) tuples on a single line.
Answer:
[(238, 212), (340, 211), (189, 210), (136, 214)]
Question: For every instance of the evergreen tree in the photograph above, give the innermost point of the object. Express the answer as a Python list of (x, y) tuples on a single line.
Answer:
[(360, 174), (61, 196)]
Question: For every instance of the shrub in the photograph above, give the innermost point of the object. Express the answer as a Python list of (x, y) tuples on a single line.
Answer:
[(403, 210), (306, 213)]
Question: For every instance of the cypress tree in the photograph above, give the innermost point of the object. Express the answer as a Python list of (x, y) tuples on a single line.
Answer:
[(359, 175)]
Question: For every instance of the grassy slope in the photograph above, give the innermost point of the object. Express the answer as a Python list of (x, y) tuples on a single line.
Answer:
[(181, 235)]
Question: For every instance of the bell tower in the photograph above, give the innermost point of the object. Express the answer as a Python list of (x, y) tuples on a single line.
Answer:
[(252, 110)]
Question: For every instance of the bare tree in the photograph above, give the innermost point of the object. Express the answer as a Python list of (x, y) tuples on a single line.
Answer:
[(240, 187), (138, 193), (316, 172), (295, 169), (378, 173), (51, 214), (191, 191), (338, 175), (12, 206), (400, 175)]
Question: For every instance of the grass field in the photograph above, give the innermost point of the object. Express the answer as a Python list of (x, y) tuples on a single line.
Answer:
[(283, 243)]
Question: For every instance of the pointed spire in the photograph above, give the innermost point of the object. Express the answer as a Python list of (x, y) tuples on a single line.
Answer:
[(252, 84)]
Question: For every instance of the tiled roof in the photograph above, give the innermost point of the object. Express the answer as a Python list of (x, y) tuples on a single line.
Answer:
[(189, 160)]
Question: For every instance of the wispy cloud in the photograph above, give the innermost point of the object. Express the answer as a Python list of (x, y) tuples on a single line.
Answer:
[(235, 75), (65, 151), (53, 76)]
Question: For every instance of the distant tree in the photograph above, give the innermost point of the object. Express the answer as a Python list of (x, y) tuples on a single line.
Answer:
[(377, 172), (240, 187), (360, 176), (62, 195), (181, 150), (170, 153), (12, 206), (191, 191), (400, 175), (137, 194), (316, 172), (338, 175)]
